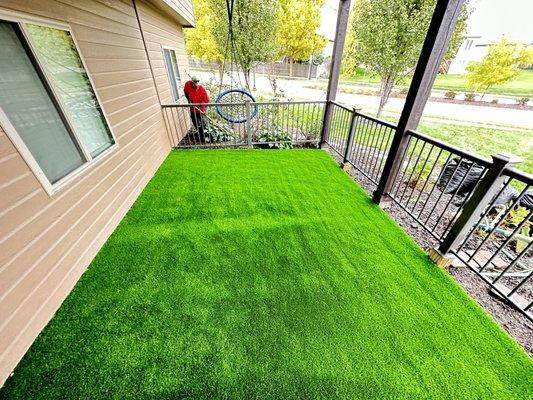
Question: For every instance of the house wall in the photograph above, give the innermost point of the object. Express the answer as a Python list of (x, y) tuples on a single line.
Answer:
[(159, 31), (47, 242)]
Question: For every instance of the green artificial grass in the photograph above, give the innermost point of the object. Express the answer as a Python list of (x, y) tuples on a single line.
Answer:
[(266, 274)]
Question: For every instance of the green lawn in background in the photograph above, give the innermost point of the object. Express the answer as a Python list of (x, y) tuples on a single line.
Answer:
[(521, 86), (266, 274), (485, 141)]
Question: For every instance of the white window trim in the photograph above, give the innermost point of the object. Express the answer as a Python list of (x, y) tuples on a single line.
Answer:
[(163, 47), (52, 188)]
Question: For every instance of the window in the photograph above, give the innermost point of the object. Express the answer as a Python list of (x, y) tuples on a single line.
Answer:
[(48, 102), (171, 63)]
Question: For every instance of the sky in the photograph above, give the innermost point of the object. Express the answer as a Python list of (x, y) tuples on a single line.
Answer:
[(490, 19), (494, 18)]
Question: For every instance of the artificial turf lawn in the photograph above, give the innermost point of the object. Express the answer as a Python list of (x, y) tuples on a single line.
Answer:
[(266, 274)]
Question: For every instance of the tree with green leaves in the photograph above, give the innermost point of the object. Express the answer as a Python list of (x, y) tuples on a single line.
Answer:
[(500, 65), (254, 23), (387, 36), (297, 37)]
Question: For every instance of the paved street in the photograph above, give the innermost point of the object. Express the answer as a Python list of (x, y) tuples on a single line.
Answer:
[(295, 89)]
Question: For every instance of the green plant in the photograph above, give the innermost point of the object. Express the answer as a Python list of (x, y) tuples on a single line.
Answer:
[(523, 101), (273, 137), (470, 96), (385, 36), (515, 217), (218, 133), (450, 95), (501, 64)]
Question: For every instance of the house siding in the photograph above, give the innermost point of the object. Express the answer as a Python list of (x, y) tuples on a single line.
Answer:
[(47, 242), (160, 31)]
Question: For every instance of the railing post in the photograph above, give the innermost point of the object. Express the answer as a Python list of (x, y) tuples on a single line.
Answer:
[(433, 50), (349, 142), (483, 194), (247, 126), (326, 123)]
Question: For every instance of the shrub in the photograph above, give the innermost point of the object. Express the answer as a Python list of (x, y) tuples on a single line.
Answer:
[(274, 134), (450, 95), (218, 133), (470, 97), (523, 101)]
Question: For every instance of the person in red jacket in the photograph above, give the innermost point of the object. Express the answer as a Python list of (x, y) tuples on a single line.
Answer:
[(196, 93)]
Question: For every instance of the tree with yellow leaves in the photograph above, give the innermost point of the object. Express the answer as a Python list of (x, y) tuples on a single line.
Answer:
[(299, 21), (501, 64), (200, 41)]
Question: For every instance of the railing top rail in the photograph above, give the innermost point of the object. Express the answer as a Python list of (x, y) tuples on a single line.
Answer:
[(183, 105), (456, 150), (264, 103), (258, 103), (377, 120), (519, 175), (342, 106)]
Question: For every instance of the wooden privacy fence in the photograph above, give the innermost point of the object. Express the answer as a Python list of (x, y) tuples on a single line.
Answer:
[(274, 68)]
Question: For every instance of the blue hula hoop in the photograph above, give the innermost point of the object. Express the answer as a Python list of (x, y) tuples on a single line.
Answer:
[(230, 118)]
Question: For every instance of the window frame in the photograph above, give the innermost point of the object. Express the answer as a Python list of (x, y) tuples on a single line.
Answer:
[(171, 84), (51, 188)]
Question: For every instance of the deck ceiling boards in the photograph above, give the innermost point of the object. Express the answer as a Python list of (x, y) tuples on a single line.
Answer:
[(47, 242)]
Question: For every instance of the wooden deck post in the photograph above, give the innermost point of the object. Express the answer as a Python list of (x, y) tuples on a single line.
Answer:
[(435, 46), (335, 67)]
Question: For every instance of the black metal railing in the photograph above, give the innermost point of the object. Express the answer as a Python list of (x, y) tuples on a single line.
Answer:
[(478, 210), (368, 148), (498, 245), (435, 181), (259, 124)]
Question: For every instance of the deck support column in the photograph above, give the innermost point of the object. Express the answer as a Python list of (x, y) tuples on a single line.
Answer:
[(481, 197), (433, 50), (335, 67)]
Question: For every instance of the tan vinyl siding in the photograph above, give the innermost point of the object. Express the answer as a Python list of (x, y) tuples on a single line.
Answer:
[(46, 242), (160, 30)]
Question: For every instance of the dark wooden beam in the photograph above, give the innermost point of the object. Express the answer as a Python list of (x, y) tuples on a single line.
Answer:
[(335, 67), (433, 50)]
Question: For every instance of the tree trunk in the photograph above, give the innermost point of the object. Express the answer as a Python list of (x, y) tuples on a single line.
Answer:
[(246, 73), (385, 89), (290, 66), (220, 73)]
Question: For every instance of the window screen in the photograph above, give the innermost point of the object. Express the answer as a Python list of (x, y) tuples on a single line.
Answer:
[(58, 55), (171, 63)]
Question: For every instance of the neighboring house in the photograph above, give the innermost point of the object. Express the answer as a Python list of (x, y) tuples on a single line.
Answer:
[(81, 133), (471, 50), (488, 22)]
